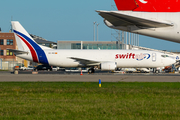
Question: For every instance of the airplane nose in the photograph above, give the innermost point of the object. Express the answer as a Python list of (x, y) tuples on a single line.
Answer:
[(169, 61), (172, 61)]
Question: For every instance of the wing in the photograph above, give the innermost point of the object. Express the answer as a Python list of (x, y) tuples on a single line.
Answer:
[(86, 62), (123, 19), (18, 51)]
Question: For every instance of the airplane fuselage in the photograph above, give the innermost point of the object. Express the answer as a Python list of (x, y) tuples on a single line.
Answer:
[(104, 59), (122, 58)]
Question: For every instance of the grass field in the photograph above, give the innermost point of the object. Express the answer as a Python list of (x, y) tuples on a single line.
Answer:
[(65, 100)]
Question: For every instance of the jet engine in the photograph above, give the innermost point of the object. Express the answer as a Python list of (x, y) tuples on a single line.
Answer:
[(108, 66)]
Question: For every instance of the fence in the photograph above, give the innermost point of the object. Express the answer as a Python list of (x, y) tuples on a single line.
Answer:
[(7, 65), (0, 64)]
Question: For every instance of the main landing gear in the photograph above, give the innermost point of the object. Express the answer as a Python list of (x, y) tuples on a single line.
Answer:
[(91, 70)]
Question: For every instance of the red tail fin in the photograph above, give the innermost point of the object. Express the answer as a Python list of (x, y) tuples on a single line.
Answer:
[(126, 4), (149, 5)]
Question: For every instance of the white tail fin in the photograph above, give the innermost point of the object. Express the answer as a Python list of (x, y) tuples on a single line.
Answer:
[(19, 32), (26, 43)]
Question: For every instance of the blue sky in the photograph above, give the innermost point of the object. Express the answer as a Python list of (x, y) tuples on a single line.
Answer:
[(66, 20)]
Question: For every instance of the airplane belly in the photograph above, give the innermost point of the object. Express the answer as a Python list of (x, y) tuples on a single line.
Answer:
[(61, 61), (169, 35)]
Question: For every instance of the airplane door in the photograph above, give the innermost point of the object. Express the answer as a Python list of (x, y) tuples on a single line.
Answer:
[(153, 57)]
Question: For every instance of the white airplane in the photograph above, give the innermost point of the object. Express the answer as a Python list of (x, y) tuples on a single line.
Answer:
[(154, 18), (106, 59)]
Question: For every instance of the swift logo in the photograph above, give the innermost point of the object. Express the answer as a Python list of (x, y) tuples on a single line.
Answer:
[(144, 2), (138, 57), (177, 58), (125, 56), (143, 56)]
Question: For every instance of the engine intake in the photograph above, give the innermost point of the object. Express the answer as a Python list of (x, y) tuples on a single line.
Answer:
[(108, 66)]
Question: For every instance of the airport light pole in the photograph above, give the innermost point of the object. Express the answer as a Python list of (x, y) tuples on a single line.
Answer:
[(0, 60), (97, 30), (132, 39), (129, 38), (94, 29), (126, 41), (138, 39)]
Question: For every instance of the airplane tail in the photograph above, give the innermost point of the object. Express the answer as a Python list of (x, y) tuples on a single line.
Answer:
[(26, 43), (148, 5), (127, 5)]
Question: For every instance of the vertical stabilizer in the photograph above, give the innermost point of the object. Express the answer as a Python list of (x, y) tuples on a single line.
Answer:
[(21, 35), (126, 5), (148, 5), (26, 43)]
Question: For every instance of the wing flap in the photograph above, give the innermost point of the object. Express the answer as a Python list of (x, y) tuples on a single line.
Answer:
[(86, 62), (123, 19)]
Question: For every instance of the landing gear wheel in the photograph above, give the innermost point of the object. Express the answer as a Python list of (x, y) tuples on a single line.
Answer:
[(157, 71), (91, 70)]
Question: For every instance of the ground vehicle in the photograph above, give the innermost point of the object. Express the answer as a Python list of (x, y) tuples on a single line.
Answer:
[(43, 67), (30, 68), (129, 70), (73, 69), (144, 70), (22, 68), (54, 68)]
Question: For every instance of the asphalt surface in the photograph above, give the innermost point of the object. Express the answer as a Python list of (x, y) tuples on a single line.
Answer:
[(45, 76)]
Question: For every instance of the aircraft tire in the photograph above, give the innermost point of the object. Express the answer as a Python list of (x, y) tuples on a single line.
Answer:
[(91, 70)]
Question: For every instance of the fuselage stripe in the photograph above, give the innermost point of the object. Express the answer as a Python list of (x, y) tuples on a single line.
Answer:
[(33, 53), (41, 56)]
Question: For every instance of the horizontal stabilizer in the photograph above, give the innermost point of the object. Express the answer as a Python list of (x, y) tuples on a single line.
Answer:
[(118, 18), (18, 51)]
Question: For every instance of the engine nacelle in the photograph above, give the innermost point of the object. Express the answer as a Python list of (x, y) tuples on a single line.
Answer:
[(108, 66)]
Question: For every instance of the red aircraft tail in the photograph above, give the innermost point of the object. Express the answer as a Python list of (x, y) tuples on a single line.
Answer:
[(126, 4), (149, 5)]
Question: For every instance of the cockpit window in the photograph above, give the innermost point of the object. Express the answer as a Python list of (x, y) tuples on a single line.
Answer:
[(164, 56)]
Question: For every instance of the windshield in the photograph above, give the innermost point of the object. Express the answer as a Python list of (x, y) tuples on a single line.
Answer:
[(164, 56)]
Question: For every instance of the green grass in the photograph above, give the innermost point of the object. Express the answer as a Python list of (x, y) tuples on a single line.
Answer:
[(4, 70), (66, 100)]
